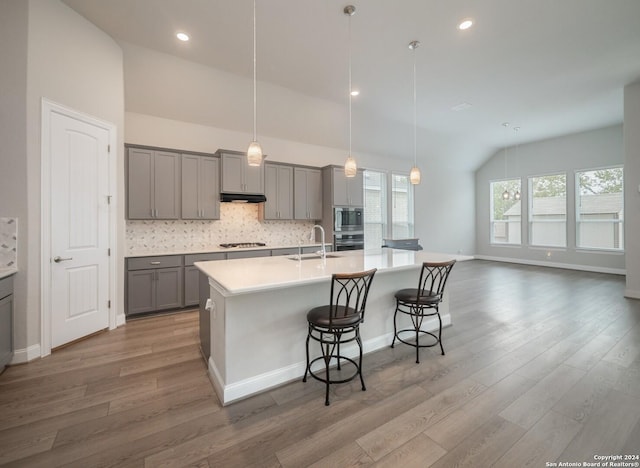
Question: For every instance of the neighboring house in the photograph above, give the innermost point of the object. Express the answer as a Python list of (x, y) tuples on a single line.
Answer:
[(598, 223)]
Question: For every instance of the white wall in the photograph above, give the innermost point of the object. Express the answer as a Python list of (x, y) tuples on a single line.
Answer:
[(567, 154), (632, 187), (71, 62)]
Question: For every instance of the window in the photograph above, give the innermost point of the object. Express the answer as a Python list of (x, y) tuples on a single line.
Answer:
[(375, 208), (401, 207), (506, 217), (548, 210), (600, 209)]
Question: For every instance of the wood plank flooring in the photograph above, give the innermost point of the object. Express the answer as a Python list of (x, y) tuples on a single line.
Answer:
[(542, 365)]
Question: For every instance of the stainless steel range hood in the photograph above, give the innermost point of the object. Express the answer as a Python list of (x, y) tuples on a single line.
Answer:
[(242, 198)]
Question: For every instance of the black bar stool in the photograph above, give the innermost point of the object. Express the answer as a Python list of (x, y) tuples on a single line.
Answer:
[(339, 323), (422, 302)]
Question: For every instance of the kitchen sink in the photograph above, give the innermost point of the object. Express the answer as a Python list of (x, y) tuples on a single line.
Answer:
[(312, 257)]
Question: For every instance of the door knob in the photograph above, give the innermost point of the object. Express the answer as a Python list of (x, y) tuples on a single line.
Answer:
[(60, 259)]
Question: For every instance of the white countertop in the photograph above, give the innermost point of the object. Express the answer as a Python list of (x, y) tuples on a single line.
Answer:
[(217, 248), (4, 272), (255, 274)]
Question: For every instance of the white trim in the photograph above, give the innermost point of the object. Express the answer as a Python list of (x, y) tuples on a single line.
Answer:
[(244, 388), (49, 107), (121, 319), (566, 266), (632, 294), (20, 356)]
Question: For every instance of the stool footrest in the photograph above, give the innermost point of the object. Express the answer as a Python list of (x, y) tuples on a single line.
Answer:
[(332, 381)]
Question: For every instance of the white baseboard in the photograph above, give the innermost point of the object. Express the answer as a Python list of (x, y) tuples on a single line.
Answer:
[(631, 294), (259, 383), (566, 266), (121, 319), (20, 356)]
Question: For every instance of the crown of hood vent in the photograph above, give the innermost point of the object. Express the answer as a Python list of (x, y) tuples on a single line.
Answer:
[(242, 198)]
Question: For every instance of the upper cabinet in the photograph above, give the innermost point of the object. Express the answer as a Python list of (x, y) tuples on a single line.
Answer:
[(200, 187), (153, 184), (238, 176), (347, 191), (308, 193), (279, 191)]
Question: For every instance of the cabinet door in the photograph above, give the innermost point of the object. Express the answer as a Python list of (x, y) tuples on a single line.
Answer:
[(232, 172), (356, 189), (190, 187), (271, 191), (6, 331), (285, 192), (169, 288), (140, 184), (253, 178), (166, 184), (340, 191), (191, 288), (141, 291), (300, 203), (210, 187), (314, 193)]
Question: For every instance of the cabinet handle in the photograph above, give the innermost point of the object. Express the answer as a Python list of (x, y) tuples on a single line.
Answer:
[(154, 263)]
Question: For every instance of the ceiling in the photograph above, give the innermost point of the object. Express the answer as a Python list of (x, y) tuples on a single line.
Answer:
[(550, 67)]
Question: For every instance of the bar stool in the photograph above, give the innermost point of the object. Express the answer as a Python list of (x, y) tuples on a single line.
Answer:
[(337, 324), (422, 302)]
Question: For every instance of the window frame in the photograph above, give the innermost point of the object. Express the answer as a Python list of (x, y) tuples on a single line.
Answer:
[(530, 221), (492, 219), (578, 221)]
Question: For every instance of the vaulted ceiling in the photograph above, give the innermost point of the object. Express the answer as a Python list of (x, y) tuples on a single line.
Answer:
[(550, 67)]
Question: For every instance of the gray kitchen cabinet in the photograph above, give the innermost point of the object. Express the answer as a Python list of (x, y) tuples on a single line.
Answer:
[(278, 184), (154, 283), (238, 176), (153, 184), (200, 187), (248, 254), (347, 191), (192, 275), (307, 193), (6, 321)]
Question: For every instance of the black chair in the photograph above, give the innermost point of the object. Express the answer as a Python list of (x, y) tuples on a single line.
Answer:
[(422, 302), (339, 323)]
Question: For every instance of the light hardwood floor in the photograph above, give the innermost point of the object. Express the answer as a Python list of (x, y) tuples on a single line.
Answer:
[(542, 365)]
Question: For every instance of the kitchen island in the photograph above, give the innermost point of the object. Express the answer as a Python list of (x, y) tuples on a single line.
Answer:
[(258, 307)]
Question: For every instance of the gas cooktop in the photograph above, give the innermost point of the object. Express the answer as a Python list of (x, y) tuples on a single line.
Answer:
[(243, 244)]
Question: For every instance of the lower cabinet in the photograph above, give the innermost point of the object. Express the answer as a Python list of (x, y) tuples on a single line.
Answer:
[(154, 283), (6, 321), (192, 275)]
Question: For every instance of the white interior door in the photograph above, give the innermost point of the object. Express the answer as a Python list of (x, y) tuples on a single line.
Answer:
[(79, 228)]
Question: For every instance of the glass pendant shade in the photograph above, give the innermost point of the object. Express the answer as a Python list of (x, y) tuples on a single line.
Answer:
[(516, 196), (350, 167), (505, 195), (254, 154), (414, 175)]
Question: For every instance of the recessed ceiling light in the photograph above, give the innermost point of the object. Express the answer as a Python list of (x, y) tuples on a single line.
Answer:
[(182, 36), (465, 24), (355, 92)]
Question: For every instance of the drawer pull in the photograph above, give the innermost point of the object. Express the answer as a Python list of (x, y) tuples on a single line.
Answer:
[(154, 263)]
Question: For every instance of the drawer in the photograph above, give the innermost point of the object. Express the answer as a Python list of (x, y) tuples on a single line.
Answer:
[(287, 251), (6, 286), (190, 259), (248, 254), (146, 263)]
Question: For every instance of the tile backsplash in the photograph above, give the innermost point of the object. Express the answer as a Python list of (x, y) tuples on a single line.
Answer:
[(8, 242), (238, 223)]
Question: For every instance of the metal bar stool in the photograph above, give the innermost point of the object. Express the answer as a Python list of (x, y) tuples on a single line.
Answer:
[(422, 302), (339, 323)]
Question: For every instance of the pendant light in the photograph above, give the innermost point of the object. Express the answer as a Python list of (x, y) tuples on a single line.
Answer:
[(516, 196), (414, 175), (254, 152), (505, 194), (350, 166)]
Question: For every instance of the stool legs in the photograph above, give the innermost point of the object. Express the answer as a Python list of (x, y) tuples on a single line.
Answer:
[(417, 315)]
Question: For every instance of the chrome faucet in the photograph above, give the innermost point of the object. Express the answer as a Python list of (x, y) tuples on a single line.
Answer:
[(323, 252)]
